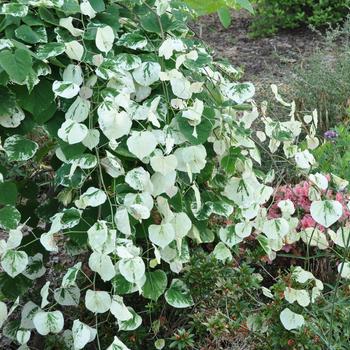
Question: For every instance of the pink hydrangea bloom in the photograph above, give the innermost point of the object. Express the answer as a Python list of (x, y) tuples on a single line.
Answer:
[(306, 222)]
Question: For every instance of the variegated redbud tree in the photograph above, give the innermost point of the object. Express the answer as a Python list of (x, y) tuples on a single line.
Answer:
[(121, 139)]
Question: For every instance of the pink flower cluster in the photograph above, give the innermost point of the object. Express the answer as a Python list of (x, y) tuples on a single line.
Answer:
[(299, 195)]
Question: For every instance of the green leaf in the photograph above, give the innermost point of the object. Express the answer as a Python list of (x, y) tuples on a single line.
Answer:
[(155, 285), (14, 9), (122, 286), (245, 4), (19, 148), (210, 6), (133, 41), (109, 17), (48, 16), (17, 65), (155, 24), (70, 218), (70, 7), (31, 35), (11, 288), (42, 92), (8, 193), (32, 20), (62, 177), (7, 101), (97, 5), (11, 328), (206, 7), (229, 161), (50, 50), (178, 295), (9, 217), (225, 17), (203, 129)]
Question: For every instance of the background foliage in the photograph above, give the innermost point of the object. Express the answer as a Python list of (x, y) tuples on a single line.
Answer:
[(273, 15), (222, 7)]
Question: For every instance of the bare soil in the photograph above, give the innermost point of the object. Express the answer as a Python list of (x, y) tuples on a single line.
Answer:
[(264, 60)]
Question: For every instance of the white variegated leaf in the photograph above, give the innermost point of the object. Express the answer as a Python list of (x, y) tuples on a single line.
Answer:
[(139, 179), (104, 38), (326, 212), (23, 336), (14, 262), (164, 164), (65, 89), (170, 45), (122, 221), (67, 23), (128, 61), (49, 242), (44, 292), (29, 310), (97, 301), (13, 119), (191, 159), (142, 144), (87, 10), (35, 268), (112, 165), (147, 74), (114, 124), (78, 110), (178, 295), (291, 320), (67, 296), (117, 345), (92, 197), (221, 252), (161, 235), (119, 310), (92, 139), (74, 74), (132, 269), (19, 149), (71, 275), (3, 313), (48, 322), (134, 41), (72, 132), (103, 265), (82, 334), (132, 323), (74, 50)]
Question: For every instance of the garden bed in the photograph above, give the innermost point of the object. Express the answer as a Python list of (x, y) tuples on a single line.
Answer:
[(266, 59)]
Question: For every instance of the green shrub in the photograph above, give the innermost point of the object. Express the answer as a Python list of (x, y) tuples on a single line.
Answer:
[(323, 82), (235, 308), (333, 156), (285, 14)]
